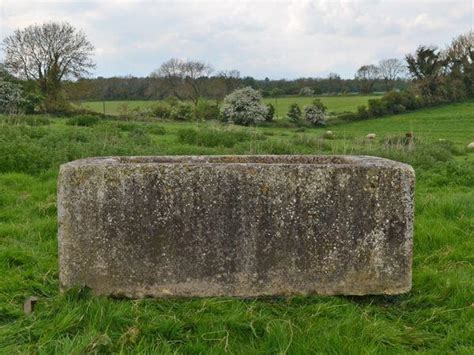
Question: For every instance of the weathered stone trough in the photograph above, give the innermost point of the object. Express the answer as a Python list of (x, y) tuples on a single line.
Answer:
[(236, 225)]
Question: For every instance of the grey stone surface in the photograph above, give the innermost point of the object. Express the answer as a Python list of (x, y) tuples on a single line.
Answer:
[(236, 225)]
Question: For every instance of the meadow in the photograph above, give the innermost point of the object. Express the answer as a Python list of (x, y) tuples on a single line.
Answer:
[(437, 316), (335, 104)]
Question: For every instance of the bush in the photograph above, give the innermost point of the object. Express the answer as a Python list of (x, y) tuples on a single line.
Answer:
[(11, 100), (205, 111), (182, 111), (270, 113), (294, 113), (377, 108), (161, 110), (315, 113), (33, 102), (318, 103), (244, 107), (83, 121), (362, 112), (392, 102)]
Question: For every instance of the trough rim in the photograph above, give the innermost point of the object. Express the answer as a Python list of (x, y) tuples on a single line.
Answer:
[(327, 161)]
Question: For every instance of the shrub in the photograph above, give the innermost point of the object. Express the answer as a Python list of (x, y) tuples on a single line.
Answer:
[(318, 103), (84, 121), (244, 107), (315, 113), (205, 111), (11, 100), (392, 102), (161, 110), (182, 111), (377, 108), (294, 113), (270, 113), (33, 102), (362, 112)]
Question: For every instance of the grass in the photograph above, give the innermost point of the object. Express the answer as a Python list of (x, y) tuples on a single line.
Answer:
[(335, 104), (435, 317)]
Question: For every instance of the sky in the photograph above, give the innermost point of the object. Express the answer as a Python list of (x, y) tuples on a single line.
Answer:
[(276, 39)]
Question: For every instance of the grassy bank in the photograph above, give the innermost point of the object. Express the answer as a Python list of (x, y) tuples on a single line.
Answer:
[(436, 316)]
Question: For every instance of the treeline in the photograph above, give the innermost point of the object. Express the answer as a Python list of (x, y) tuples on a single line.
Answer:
[(216, 87), (438, 77), (44, 68)]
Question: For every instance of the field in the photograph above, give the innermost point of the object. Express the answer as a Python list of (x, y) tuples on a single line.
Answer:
[(437, 316), (336, 104)]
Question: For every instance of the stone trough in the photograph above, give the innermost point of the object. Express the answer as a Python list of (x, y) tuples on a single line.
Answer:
[(236, 225)]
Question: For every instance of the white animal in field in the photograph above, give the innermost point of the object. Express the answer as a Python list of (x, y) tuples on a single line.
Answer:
[(371, 136)]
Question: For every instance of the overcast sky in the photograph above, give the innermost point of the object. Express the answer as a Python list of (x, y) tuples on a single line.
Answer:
[(275, 39)]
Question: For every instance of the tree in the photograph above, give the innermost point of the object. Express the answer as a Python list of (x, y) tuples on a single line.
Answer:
[(47, 54), (460, 60), (224, 83), (391, 70), (425, 63), (315, 113), (294, 113), (185, 79), (11, 97), (367, 75), (243, 107), (270, 112), (426, 67), (334, 83)]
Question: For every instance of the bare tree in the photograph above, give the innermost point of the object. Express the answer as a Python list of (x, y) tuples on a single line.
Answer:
[(224, 83), (48, 53), (195, 75), (391, 70), (185, 79), (367, 75), (459, 60)]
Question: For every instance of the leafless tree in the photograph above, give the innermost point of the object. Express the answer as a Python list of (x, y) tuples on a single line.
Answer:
[(459, 60), (48, 53), (224, 83), (367, 75), (391, 70), (184, 79)]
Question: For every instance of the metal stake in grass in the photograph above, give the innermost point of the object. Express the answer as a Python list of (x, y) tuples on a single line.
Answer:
[(30, 304)]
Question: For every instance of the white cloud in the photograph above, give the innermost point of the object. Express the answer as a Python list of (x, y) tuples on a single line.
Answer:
[(259, 38)]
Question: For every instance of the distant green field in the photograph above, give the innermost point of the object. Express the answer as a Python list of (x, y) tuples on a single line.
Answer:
[(334, 103), (435, 317)]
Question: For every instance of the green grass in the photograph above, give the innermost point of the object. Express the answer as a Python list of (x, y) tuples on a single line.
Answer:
[(335, 104), (435, 317)]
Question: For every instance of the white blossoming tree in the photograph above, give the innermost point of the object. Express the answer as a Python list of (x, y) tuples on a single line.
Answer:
[(11, 99), (315, 113), (244, 107)]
